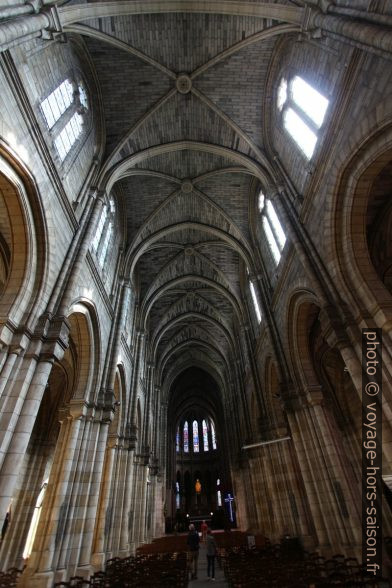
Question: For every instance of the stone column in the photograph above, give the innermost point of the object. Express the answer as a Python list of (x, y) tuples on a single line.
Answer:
[(93, 472), (65, 531), (364, 34), (84, 245), (105, 513), (325, 470), (128, 490), (21, 402)]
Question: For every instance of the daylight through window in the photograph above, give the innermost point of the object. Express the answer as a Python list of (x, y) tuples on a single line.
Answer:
[(304, 110)]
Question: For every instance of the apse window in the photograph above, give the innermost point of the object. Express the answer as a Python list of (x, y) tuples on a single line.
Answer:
[(186, 439), (273, 229), (195, 437), (303, 110), (64, 111), (205, 435)]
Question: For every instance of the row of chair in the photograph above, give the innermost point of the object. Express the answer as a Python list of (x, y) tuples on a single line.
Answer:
[(275, 567), (143, 571)]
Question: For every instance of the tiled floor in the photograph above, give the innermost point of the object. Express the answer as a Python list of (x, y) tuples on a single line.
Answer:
[(202, 580)]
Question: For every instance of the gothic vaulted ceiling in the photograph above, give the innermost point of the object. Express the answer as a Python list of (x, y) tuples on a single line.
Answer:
[(182, 95)]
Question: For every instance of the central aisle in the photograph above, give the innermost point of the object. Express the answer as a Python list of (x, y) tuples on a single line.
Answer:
[(202, 580)]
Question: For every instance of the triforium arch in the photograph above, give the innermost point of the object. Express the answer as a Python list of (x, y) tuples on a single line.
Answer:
[(23, 242), (70, 392), (360, 212)]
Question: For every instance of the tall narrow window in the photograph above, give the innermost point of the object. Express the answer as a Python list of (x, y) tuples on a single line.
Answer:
[(195, 431), (178, 439), (304, 110), (178, 496), (104, 250), (57, 102), (213, 436), (219, 498), (69, 135), (205, 435), (64, 111), (98, 232), (186, 439), (273, 230), (255, 301)]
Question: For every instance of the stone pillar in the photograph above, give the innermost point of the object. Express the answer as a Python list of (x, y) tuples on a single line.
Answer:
[(302, 244), (105, 512), (93, 472), (65, 532), (84, 245), (140, 339), (244, 404), (18, 29), (128, 467), (330, 491), (365, 35), (21, 402)]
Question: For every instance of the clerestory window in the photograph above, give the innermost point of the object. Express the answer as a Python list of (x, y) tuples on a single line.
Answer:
[(64, 111), (303, 109), (255, 300), (104, 232), (273, 230)]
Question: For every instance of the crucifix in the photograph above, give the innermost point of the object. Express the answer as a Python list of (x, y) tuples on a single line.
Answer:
[(229, 501)]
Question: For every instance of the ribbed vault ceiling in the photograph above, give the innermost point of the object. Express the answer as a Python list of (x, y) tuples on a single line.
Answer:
[(191, 86)]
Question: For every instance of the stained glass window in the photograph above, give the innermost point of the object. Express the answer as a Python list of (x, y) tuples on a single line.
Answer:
[(178, 439), (178, 497), (186, 439), (213, 437), (205, 435), (195, 428)]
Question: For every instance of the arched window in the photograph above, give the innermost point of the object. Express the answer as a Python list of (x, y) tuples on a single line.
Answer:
[(178, 439), (63, 111), (213, 437), (34, 521), (186, 439), (195, 430), (205, 435), (273, 230), (178, 496), (303, 109)]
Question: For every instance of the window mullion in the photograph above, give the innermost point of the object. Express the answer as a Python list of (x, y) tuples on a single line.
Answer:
[(302, 114)]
